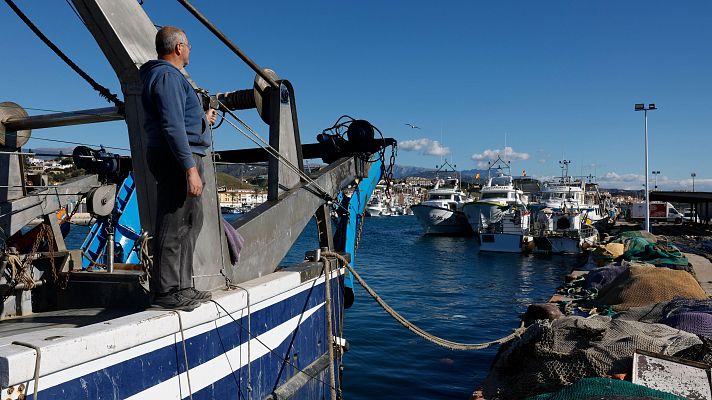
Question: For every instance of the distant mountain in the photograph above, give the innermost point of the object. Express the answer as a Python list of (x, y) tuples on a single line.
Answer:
[(51, 152), (404, 171)]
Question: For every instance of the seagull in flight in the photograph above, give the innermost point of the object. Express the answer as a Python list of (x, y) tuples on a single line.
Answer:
[(413, 126)]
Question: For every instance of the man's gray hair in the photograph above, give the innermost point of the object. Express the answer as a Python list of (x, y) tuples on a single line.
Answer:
[(167, 38)]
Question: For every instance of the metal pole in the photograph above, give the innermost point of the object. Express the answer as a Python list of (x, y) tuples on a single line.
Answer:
[(221, 36), (647, 196), (63, 119)]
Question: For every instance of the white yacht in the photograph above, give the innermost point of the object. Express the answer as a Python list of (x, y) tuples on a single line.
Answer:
[(375, 207), (500, 217), (442, 212)]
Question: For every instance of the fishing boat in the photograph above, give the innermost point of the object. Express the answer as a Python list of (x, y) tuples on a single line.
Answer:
[(500, 217), (563, 231), (74, 323), (569, 193), (442, 212), (565, 216)]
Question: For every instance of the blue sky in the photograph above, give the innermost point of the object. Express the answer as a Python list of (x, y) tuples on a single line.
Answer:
[(558, 79)]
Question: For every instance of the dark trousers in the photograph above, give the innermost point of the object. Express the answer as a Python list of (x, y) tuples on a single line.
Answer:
[(178, 222)]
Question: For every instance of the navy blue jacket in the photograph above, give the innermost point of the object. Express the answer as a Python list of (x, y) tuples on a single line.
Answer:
[(173, 113)]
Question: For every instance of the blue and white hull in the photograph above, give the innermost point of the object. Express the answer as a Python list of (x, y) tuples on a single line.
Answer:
[(265, 340)]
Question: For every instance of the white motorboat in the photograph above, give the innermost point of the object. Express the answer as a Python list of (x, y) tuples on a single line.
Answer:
[(375, 207), (500, 217), (442, 212)]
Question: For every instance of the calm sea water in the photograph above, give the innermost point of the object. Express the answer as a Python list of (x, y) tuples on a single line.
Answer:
[(444, 285)]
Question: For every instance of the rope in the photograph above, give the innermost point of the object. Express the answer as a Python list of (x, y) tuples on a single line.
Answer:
[(415, 329), (256, 139), (249, 345), (329, 326), (250, 334), (144, 255), (37, 365), (185, 354), (103, 92)]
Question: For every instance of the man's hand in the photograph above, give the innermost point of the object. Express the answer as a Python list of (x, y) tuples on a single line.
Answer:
[(195, 184), (211, 115)]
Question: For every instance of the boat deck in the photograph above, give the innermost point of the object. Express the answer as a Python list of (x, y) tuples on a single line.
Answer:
[(72, 318)]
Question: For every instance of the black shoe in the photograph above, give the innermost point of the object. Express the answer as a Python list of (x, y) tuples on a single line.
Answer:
[(196, 295), (174, 301)]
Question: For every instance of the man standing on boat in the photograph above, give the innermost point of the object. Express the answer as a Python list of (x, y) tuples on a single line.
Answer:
[(178, 136)]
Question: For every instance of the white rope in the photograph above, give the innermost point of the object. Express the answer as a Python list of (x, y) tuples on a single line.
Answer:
[(249, 341), (329, 326), (185, 354)]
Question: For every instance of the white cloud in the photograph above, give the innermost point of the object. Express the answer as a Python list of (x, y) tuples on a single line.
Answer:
[(424, 146), (615, 180), (507, 154)]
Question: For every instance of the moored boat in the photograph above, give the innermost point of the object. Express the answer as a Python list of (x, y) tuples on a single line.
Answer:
[(442, 212), (500, 217)]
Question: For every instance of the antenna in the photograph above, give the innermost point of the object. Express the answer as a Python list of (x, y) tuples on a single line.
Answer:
[(441, 140)]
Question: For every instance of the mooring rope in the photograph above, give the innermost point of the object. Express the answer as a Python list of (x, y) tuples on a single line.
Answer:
[(415, 329)]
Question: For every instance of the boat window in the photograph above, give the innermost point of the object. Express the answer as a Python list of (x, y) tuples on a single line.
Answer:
[(439, 197), (501, 181), (457, 198), (492, 195)]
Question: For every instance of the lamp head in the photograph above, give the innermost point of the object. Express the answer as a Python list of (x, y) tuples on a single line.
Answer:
[(651, 106), (639, 107)]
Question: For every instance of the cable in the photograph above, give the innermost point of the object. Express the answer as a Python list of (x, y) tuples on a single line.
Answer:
[(76, 12), (256, 139), (185, 353), (329, 327), (68, 142), (249, 333), (103, 92)]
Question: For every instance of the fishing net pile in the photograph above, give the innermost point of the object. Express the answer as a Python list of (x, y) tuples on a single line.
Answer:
[(552, 354), (645, 247), (605, 388), (642, 284), (694, 316)]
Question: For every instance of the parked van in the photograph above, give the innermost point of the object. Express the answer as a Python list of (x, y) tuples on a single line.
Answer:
[(659, 211)]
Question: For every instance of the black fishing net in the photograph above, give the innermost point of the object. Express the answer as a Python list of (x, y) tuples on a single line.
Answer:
[(550, 355)]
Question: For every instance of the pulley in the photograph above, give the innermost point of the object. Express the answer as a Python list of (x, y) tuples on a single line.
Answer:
[(100, 201), (262, 91), (15, 140), (258, 97)]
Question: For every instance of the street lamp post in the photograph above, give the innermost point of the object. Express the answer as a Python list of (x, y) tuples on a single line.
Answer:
[(693, 175), (641, 107), (655, 174)]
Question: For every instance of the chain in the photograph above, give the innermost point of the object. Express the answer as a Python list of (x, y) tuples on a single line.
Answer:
[(360, 221), (145, 257), (389, 169)]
